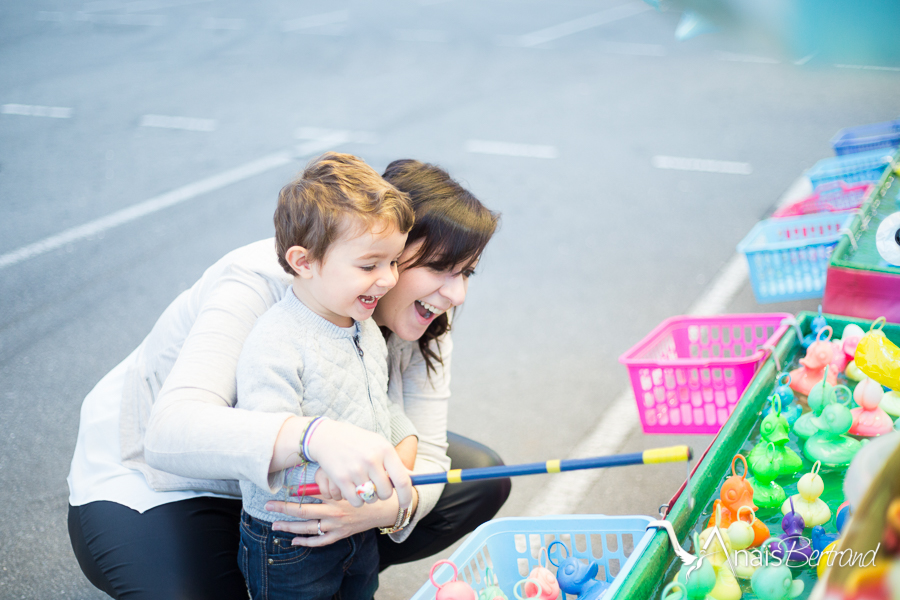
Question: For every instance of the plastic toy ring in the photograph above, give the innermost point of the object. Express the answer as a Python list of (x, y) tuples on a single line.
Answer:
[(550, 549), (830, 333), (845, 390), (536, 583), (366, 491), (436, 565), (784, 379), (752, 514), (743, 460)]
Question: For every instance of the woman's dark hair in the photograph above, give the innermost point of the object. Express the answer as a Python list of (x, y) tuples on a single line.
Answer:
[(453, 226)]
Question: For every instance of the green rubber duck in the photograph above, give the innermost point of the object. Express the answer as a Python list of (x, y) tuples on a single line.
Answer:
[(774, 429)]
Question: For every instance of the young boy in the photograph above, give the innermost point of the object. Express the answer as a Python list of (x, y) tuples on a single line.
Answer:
[(340, 229)]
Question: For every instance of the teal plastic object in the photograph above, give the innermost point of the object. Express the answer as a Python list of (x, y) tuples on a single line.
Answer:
[(788, 258), (511, 547)]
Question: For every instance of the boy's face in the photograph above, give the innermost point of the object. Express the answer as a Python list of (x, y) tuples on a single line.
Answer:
[(357, 270)]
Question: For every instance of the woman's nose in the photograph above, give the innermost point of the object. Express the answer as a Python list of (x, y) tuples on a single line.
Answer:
[(454, 289)]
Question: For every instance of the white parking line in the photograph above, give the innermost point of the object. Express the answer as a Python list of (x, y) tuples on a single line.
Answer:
[(30, 110), (188, 123), (331, 18), (746, 58), (127, 20), (565, 492), (581, 24), (335, 136), (510, 149), (701, 164), (868, 67)]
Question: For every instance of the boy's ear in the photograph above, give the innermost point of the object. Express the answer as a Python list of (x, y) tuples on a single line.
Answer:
[(298, 258)]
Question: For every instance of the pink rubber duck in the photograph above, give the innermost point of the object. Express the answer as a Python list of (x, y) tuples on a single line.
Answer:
[(839, 359), (868, 419), (814, 366)]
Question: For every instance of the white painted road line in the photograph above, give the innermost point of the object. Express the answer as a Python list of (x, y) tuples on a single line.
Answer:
[(335, 136), (129, 19), (182, 194), (746, 58), (701, 164), (132, 213), (510, 149), (332, 18), (30, 110), (868, 67), (564, 492), (188, 123), (549, 34)]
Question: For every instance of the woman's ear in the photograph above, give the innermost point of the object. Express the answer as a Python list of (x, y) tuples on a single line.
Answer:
[(298, 258)]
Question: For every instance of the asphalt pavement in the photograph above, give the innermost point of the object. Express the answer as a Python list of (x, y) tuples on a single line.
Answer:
[(561, 115)]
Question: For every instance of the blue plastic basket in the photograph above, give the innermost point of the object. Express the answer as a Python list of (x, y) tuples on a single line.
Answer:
[(511, 547), (858, 167), (788, 258), (866, 137)]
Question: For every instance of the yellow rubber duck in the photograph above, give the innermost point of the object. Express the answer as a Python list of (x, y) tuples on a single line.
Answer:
[(741, 535), (807, 502), (727, 586)]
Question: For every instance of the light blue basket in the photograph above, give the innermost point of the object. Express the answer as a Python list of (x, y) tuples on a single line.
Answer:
[(851, 168), (788, 257), (511, 547)]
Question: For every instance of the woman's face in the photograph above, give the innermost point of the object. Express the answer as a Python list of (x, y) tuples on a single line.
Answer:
[(421, 295)]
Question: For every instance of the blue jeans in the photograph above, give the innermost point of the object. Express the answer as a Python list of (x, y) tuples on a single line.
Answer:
[(275, 570)]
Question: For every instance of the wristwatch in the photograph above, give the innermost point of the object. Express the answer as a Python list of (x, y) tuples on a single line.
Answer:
[(404, 515)]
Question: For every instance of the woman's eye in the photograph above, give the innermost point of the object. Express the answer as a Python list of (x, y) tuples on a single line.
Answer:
[(395, 264)]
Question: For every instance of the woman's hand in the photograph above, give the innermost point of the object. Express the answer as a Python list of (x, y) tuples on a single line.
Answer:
[(337, 519), (351, 456)]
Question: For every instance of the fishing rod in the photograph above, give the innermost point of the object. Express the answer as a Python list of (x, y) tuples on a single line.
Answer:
[(647, 457)]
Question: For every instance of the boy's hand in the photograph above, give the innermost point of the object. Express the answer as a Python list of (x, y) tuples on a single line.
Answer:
[(327, 489), (407, 450)]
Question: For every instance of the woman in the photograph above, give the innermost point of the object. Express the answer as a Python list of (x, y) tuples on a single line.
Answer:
[(154, 514)]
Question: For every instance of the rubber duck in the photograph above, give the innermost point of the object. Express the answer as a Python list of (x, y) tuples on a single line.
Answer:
[(492, 591), (717, 551), (830, 445), (737, 492), (741, 535), (814, 366), (774, 582), (890, 403), (852, 372), (577, 578), (767, 493), (816, 325), (850, 339), (798, 547), (546, 578), (696, 578), (789, 409), (525, 583), (869, 420), (453, 589), (839, 360), (878, 357), (819, 397), (807, 502), (774, 429)]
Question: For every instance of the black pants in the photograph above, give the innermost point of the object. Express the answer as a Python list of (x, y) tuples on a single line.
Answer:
[(188, 549)]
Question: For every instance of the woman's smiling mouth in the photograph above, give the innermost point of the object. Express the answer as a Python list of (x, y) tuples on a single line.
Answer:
[(426, 311)]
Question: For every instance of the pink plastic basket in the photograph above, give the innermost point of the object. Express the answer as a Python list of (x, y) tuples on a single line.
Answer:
[(689, 373), (834, 196)]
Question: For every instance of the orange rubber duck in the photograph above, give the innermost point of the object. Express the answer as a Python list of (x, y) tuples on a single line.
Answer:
[(814, 366), (737, 493)]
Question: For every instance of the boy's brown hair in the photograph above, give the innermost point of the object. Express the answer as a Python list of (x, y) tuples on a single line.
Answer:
[(335, 193)]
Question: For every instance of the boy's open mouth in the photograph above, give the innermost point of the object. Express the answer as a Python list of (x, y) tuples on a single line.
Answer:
[(425, 310), (369, 301)]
